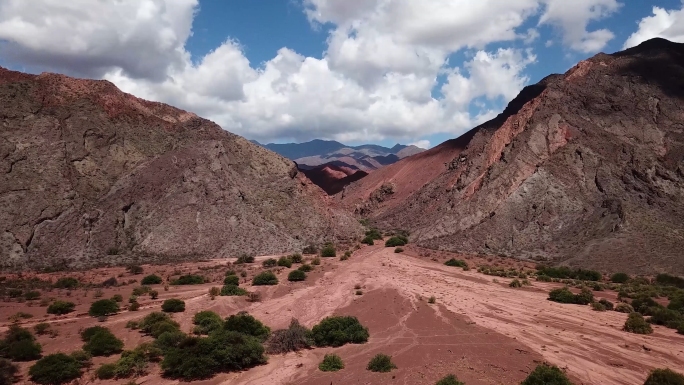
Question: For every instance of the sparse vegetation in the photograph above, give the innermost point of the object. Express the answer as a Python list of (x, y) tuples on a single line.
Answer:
[(244, 258), (515, 283), (368, 241), (338, 331), (296, 337), (546, 375), (117, 298), (381, 363), (173, 305), (152, 279), (564, 295), (296, 258), (305, 268), (296, 276), (265, 278), (106, 371), (395, 242), (189, 279), (328, 251), (453, 262), (331, 363), (597, 306), (637, 324), (271, 262), (316, 261), (284, 262), (32, 295), (42, 328), (449, 380), (245, 323), (55, 369), (103, 307), (310, 250), (232, 291), (664, 377)]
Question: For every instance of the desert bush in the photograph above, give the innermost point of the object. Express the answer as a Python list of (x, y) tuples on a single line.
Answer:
[(644, 304), (358, 292), (117, 298), (546, 375), (173, 305), (42, 328), (66, 283), (109, 282), (296, 258), (544, 278), (395, 242), (244, 323), (244, 258), (231, 272), (157, 323), (566, 272), (88, 333), (271, 262), (432, 299), (562, 295), (381, 363), (328, 251), (305, 268), (284, 262), (134, 269), (7, 371), (368, 241), (198, 358), (669, 280), (346, 255), (103, 343), (398, 250), (515, 283), (134, 362), (296, 337), (453, 262), (637, 324), (374, 234), (134, 306), (141, 290), (206, 322), (597, 306), (55, 369), (84, 358), (296, 275), (214, 291), (265, 278), (103, 307), (154, 294), (232, 291), (585, 297), (19, 316), (316, 261), (31, 295), (14, 293), (449, 380), (619, 278), (666, 317), (106, 371), (664, 377), (232, 280), (19, 345), (337, 331), (151, 279), (189, 279), (677, 303), (310, 250), (608, 305), (331, 363), (624, 307)]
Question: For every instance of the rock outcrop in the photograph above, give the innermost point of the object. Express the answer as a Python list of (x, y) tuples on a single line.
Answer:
[(91, 175), (586, 168)]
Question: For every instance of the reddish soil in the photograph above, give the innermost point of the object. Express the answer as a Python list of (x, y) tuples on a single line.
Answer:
[(480, 330)]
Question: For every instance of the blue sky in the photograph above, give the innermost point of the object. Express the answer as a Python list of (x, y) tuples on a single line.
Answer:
[(379, 71)]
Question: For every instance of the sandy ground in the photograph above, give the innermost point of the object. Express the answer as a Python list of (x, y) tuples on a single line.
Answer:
[(480, 330)]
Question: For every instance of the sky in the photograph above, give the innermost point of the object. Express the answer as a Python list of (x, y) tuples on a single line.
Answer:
[(357, 71)]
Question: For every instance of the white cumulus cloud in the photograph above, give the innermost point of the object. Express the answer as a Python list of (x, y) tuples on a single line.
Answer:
[(666, 24)]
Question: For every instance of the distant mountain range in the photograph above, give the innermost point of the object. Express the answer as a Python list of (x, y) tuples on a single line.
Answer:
[(366, 157)]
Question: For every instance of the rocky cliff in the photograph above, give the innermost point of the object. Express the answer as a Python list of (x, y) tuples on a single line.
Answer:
[(91, 175), (586, 168)]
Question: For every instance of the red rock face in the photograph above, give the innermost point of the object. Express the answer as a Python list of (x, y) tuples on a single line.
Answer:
[(586, 167), (92, 175)]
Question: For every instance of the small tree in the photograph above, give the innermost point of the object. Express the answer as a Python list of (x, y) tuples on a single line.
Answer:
[(265, 278), (637, 324), (449, 380), (331, 363), (664, 377), (546, 375), (296, 275), (152, 279), (173, 305), (103, 307), (55, 369), (381, 363), (61, 307)]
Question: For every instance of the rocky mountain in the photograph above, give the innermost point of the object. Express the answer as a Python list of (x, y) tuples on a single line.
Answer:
[(584, 168), (365, 157), (93, 176)]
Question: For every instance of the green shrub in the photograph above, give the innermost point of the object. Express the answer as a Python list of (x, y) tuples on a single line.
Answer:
[(134, 269), (564, 272), (310, 249), (61, 307), (189, 279), (232, 280), (664, 377), (271, 262), (173, 305), (106, 372), (666, 317), (637, 324), (623, 307), (284, 262), (374, 234), (296, 258), (515, 283), (117, 298), (453, 262), (66, 283), (88, 333), (368, 241), (669, 280), (337, 331), (55, 369), (169, 339), (84, 358), (244, 323), (103, 343), (331, 363), (134, 306), (562, 295), (607, 304), (134, 362), (585, 297), (546, 375), (619, 278), (42, 328), (151, 280), (264, 279), (103, 307), (316, 261), (347, 254), (206, 322), (296, 275), (328, 251), (305, 268), (296, 337), (31, 295), (381, 363), (7, 371), (198, 358), (395, 242), (157, 323), (449, 380), (244, 258), (232, 291), (19, 345), (432, 299), (544, 278), (677, 303), (597, 306)]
